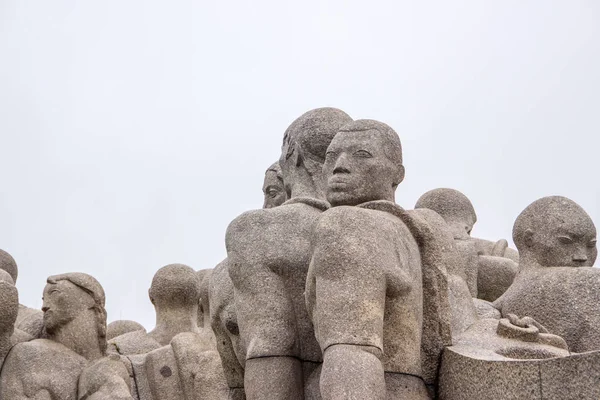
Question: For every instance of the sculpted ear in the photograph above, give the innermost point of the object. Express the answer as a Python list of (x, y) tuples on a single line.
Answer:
[(528, 238), (298, 156), (150, 295), (399, 176)]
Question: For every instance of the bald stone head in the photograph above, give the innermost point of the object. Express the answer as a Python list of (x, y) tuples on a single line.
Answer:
[(273, 189), (174, 286), (363, 163), (555, 232), (8, 264), (305, 143), (454, 207)]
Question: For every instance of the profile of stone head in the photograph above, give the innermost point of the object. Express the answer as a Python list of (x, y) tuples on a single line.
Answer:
[(555, 231), (273, 188), (456, 209), (75, 300), (363, 163)]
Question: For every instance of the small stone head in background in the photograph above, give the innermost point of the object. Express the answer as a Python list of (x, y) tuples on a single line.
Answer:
[(555, 232), (363, 163), (175, 294), (456, 209), (273, 189)]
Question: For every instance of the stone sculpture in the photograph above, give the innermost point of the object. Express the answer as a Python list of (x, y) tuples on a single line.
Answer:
[(9, 308), (556, 285), (273, 189), (489, 267), (332, 291), (75, 328), (223, 318), (29, 320), (268, 254), (365, 286)]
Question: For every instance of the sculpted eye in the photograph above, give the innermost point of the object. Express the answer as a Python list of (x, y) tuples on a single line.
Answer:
[(330, 154), (273, 192), (592, 243), (565, 240), (363, 154)]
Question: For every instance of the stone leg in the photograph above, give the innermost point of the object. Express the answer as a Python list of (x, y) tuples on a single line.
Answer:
[(352, 372), (274, 378)]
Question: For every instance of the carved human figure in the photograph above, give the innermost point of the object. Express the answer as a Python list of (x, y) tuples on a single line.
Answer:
[(268, 254), (556, 285), (9, 308), (75, 328), (223, 318), (273, 189), (489, 267), (175, 294), (364, 289), (29, 320)]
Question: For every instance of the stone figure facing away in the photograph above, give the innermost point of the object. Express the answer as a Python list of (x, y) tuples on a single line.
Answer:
[(556, 285), (75, 337), (489, 267), (268, 254), (223, 318), (364, 291), (175, 294)]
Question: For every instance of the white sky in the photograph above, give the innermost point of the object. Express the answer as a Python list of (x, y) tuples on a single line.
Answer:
[(132, 132)]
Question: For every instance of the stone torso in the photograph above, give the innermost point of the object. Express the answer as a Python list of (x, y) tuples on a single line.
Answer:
[(565, 300), (365, 285), (269, 255), (41, 369)]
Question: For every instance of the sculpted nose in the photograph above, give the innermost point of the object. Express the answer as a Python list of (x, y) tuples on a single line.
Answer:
[(341, 165)]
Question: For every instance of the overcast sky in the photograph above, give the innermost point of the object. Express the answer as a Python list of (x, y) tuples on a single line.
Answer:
[(133, 132)]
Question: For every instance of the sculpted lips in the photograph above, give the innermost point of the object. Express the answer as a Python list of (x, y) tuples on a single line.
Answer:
[(337, 182)]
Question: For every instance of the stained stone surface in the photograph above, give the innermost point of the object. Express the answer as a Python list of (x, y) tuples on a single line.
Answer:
[(556, 286)]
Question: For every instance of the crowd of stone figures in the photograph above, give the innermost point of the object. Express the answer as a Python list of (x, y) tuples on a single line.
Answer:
[(333, 291)]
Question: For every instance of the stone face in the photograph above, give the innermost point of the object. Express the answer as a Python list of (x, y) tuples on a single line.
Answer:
[(273, 189), (556, 286)]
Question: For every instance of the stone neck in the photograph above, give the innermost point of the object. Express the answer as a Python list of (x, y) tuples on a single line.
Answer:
[(172, 321), (80, 336)]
